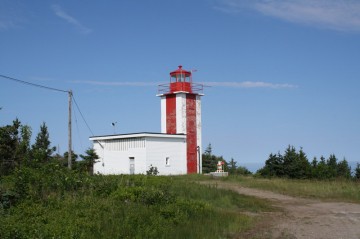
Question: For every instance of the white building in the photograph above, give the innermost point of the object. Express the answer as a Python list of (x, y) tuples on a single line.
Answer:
[(136, 153), (176, 150)]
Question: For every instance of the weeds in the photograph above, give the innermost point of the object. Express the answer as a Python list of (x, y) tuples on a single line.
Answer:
[(54, 202), (331, 190)]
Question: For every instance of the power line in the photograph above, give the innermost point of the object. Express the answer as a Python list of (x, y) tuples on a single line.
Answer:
[(82, 116), (33, 84), (71, 96), (77, 127)]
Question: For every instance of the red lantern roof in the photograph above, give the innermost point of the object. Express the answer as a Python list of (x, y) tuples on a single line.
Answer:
[(180, 71)]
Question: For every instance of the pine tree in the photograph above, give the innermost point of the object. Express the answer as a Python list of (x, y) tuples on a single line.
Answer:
[(357, 172), (332, 165), (23, 150), (9, 142), (232, 166), (89, 159), (343, 169), (41, 151)]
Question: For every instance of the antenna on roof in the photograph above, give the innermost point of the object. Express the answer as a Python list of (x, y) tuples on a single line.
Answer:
[(114, 125)]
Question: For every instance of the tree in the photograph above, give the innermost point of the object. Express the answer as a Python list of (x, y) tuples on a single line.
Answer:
[(89, 159), (274, 166), (41, 151), (23, 150), (210, 161), (208, 149), (232, 166), (292, 165), (322, 171), (332, 166), (314, 165), (343, 169), (243, 171), (74, 157), (9, 142), (357, 172)]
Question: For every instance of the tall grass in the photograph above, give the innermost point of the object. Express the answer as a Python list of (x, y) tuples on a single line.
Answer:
[(331, 190), (57, 203)]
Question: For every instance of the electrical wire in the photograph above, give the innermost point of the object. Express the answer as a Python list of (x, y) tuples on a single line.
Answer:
[(82, 116), (77, 127), (53, 89), (33, 84)]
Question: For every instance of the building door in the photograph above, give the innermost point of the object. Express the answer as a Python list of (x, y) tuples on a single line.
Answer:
[(132, 165)]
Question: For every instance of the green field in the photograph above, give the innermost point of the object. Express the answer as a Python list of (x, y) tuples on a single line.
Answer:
[(53, 202), (328, 190)]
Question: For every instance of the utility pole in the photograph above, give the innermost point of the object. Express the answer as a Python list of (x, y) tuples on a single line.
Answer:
[(69, 130)]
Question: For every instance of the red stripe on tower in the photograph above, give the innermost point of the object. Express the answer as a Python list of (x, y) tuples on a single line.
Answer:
[(191, 133), (171, 114)]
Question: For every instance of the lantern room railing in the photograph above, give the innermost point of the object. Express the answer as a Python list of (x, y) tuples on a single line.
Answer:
[(180, 86)]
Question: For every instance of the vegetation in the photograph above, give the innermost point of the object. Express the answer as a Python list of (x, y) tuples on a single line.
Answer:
[(209, 161), (41, 198), (295, 165), (209, 164), (17, 152), (53, 201), (328, 190)]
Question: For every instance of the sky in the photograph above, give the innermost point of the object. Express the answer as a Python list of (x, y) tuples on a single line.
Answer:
[(279, 72)]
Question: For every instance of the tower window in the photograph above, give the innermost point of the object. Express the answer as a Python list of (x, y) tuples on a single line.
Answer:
[(167, 161)]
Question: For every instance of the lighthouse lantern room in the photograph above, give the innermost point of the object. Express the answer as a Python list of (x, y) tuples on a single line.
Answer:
[(181, 114)]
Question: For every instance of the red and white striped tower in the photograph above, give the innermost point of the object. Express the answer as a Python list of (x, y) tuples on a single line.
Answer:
[(181, 114)]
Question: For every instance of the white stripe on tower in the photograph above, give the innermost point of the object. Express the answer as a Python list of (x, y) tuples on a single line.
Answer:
[(181, 113), (163, 114)]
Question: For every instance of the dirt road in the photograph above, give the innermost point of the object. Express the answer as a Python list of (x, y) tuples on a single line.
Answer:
[(305, 218)]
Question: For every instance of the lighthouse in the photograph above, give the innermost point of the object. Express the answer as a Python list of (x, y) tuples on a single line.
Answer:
[(181, 114), (174, 151)]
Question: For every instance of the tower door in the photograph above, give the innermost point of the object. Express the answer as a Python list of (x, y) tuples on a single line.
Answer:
[(132, 165)]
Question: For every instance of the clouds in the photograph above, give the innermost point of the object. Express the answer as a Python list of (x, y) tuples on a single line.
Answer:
[(116, 83), (250, 84), (71, 20), (228, 84), (341, 15)]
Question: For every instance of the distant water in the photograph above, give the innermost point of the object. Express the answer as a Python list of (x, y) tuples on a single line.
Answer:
[(252, 167)]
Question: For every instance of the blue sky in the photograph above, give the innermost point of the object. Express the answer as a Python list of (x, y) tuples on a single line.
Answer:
[(281, 72)]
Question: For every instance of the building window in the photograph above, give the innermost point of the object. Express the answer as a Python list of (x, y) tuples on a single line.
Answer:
[(167, 161)]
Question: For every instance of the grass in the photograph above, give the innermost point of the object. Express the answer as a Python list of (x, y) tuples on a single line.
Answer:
[(332, 190), (62, 204)]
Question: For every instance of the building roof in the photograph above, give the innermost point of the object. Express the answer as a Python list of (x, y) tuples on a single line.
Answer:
[(137, 135)]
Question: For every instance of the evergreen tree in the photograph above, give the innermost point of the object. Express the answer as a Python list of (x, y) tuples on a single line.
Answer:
[(88, 160), (314, 165), (273, 166), (74, 157), (357, 172), (41, 151), (303, 169), (23, 150), (332, 166), (343, 169), (232, 166), (208, 149), (322, 171), (209, 161), (243, 171), (9, 142)]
